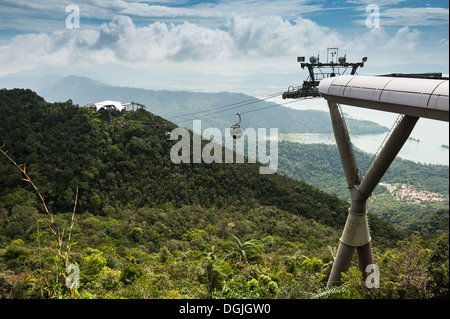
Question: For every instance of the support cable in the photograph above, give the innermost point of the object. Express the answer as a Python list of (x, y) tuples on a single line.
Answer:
[(397, 121)]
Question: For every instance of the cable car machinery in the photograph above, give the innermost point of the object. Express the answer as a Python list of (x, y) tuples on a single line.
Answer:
[(318, 71)]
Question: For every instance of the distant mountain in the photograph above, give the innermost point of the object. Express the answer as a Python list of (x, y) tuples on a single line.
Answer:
[(37, 83), (177, 106), (60, 90)]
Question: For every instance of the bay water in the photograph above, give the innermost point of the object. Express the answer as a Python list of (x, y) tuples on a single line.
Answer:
[(428, 143)]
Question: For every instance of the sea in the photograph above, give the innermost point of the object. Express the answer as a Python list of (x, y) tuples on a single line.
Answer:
[(428, 143)]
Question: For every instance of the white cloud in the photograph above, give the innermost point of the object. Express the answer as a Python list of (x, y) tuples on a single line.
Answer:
[(134, 9), (283, 8), (415, 16), (378, 2), (160, 41), (121, 41), (49, 15), (383, 49), (406, 16), (404, 48), (272, 36), (246, 43)]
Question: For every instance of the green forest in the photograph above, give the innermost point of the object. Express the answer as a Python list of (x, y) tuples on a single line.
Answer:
[(100, 192), (319, 165)]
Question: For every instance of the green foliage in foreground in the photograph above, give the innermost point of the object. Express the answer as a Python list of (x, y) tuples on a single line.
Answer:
[(193, 252)]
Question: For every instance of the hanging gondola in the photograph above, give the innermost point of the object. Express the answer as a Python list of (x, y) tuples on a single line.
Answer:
[(236, 130)]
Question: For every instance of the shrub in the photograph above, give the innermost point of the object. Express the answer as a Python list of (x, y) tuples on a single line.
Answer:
[(130, 274), (92, 266), (136, 234), (16, 256)]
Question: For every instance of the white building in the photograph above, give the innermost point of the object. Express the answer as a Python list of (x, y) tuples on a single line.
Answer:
[(114, 106)]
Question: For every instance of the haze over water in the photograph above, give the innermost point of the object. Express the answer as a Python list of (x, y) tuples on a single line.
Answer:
[(425, 145)]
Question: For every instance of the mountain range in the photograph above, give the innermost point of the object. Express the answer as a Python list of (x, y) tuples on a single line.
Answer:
[(181, 107)]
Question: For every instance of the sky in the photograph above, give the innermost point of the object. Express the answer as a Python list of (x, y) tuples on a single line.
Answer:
[(248, 46)]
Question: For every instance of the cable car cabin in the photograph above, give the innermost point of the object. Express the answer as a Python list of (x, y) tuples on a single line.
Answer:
[(236, 130), (167, 136)]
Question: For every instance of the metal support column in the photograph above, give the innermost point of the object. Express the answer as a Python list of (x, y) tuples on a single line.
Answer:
[(356, 233)]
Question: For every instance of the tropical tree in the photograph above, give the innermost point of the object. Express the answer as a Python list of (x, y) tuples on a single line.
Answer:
[(247, 251), (438, 269), (210, 273)]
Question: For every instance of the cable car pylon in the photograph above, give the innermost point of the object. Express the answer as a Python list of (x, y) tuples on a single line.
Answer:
[(413, 96), (356, 234)]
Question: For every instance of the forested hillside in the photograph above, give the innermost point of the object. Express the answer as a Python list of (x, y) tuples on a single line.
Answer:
[(320, 166), (140, 226), (126, 161), (295, 158)]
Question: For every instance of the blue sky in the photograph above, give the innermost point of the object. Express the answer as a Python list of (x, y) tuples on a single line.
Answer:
[(221, 40)]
